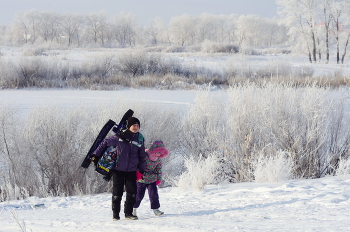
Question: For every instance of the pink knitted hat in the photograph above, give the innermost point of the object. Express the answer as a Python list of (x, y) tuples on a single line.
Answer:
[(157, 150)]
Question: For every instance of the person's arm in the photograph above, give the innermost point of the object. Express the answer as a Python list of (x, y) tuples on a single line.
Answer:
[(141, 155), (101, 148)]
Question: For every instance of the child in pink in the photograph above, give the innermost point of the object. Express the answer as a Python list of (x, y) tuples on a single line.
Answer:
[(152, 177)]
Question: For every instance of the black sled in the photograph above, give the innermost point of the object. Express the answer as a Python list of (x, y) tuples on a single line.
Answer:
[(103, 133)]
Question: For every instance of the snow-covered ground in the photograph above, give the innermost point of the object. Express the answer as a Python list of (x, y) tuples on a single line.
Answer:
[(296, 205)]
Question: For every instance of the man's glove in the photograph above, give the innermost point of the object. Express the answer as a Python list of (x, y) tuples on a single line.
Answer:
[(94, 159), (158, 182)]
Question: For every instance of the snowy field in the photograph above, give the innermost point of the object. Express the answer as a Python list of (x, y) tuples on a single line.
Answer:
[(297, 205)]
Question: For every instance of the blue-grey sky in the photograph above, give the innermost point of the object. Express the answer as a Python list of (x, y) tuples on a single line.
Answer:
[(144, 10)]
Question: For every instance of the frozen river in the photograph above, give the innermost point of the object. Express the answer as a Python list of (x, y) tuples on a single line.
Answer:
[(25, 99)]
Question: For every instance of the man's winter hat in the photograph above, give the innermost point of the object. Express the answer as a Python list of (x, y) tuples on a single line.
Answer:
[(132, 121), (157, 150)]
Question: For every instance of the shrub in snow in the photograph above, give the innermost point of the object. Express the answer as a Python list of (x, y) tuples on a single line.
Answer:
[(276, 71), (34, 51), (133, 63), (343, 168), (303, 71), (106, 70), (213, 47), (45, 157), (308, 123), (7, 75), (274, 167), (101, 66), (9, 191), (200, 171), (203, 124), (175, 49)]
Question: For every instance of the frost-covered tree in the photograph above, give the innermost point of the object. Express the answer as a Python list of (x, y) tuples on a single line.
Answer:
[(301, 17), (345, 38), (228, 30), (96, 26), (256, 31), (182, 30), (156, 31), (224, 28), (340, 24), (276, 33), (71, 27), (327, 18), (24, 28), (49, 26), (206, 28), (124, 29), (317, 25)]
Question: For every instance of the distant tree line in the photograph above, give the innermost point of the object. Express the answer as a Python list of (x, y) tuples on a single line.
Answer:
[(317, 28), (122, 30)]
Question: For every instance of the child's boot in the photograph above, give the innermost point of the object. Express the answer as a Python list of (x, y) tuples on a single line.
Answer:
[(134, 211), (157, 212)]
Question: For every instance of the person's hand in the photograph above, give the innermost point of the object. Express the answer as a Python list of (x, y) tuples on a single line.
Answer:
[(158, 182), (139, 175), (94, 159)]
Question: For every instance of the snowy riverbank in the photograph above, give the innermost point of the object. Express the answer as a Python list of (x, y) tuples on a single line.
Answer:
[(296, 205)]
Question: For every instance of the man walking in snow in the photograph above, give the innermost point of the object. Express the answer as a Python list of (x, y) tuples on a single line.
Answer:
[(131, 157)]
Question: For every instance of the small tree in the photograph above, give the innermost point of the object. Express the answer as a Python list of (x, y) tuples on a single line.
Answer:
[(301, 17)]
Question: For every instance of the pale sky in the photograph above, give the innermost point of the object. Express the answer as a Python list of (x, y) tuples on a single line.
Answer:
[(144, 10)]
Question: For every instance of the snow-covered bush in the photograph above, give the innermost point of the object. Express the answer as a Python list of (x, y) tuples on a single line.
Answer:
[(32, 51), (10, 191), (278, 71), (343, 167), (274, 167), (175, 49), (101, 66), (133, 63), (303, 71), (307, 123), (113, 69), (6, 75), (203, 125), (200, 171), (43, 150), (213, 47)]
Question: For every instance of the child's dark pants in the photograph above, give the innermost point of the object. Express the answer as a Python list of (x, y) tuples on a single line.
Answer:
[(152, 193)]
